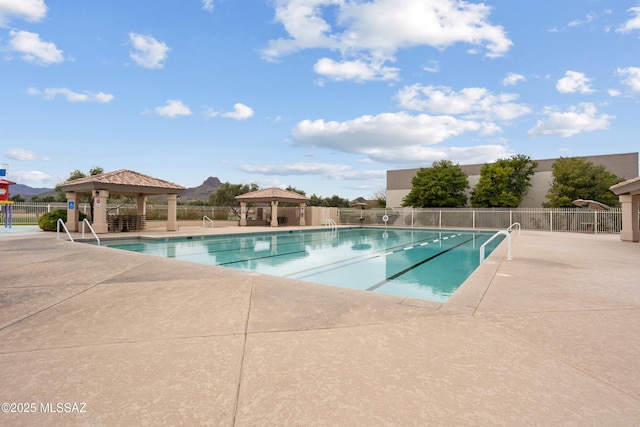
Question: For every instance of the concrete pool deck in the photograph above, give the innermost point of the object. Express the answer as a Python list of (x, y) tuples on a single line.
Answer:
[(548, 338)]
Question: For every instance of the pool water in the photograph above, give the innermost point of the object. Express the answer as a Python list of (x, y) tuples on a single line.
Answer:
[(418, 263)]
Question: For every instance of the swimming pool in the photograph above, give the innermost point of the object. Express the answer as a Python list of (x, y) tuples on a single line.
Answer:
[(418, 263)]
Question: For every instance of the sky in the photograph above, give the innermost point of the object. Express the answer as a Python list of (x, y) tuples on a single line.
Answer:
[(321, 95)]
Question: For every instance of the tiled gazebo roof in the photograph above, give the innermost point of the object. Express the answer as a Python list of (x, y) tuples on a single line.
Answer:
[(123, 182), (630, 186), (274, 193)]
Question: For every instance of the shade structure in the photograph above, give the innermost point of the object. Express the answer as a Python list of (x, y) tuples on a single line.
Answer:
[(591, 204), (120, 182), (273, 196)]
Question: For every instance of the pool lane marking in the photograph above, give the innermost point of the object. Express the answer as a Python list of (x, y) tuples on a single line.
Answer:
[(356, 260), (406, 270)]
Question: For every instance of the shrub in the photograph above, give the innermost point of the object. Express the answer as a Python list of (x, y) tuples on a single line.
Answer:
[(49, 220)]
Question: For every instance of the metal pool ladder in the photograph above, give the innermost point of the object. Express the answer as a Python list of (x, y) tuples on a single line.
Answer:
[(59, 223), (332, 224), (206, 217), (86, 221), (507, 233)]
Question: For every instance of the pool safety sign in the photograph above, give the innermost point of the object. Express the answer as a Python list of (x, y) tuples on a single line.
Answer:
[(71, 206)]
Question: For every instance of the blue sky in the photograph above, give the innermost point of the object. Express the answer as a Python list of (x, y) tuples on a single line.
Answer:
[(322, 95)]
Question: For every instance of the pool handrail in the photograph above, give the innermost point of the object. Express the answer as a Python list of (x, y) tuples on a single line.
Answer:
[(503, 232), (330, 222), (85, 220), (58, 224), (206, 217), (514, 224)]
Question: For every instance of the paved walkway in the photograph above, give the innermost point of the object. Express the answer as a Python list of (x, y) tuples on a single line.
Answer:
[(548, 338)]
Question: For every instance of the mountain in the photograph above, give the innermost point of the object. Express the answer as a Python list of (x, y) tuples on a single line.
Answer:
[(202, 191), (26, 191)]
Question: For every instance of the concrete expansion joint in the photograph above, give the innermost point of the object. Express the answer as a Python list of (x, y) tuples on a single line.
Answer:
[(242, 358), (47, 308)]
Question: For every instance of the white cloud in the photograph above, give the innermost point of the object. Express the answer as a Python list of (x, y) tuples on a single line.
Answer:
[(207, 5), (173, 108), (512, 79), (632, 77), (581, 118), (33, 49), (240, 112), (21, 154), (432, 66), (301, 168), (633, 23), (374, 31), (29, 10), (589, 18), (471, 103), (35, 178), (357, 70), (148, 52), (573, 82), (72, 96), (388, 137), (613, 92), (329, 170)]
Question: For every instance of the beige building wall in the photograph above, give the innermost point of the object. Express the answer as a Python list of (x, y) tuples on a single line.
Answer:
[(623, 165)]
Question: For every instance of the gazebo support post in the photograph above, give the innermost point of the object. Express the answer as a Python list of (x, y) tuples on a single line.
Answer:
[(172, 212), (142, 204), (72, 211), (274, 213), (99, 219), (630, 230), (243, 214)]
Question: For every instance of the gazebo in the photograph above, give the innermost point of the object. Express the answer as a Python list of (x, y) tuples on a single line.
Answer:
[(629, 194), (272, 195), (121, 182)]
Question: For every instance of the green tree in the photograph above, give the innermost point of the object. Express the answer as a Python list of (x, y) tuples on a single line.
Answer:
[(295, 190), (333, 201), (317, 201), (45, 199), (504, 183), (225, 195), (78, 174), (441, 185), (17, 198), (576, 178), (336, 201), (380, 196)]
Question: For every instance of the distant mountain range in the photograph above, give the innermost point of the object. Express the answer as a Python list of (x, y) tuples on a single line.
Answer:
[(26, 191), (200, 192)]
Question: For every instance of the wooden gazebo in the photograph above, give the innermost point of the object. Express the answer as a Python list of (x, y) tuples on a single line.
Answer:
[(273, 196), (121, 182)]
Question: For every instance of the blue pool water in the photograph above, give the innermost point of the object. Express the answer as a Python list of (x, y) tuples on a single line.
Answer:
[(418, 263)]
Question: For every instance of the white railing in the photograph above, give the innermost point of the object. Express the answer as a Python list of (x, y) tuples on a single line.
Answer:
[(501, 232), (331, 223), (61, 223), (86, 221), (513, 225), (578, 220), (205, 218)]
